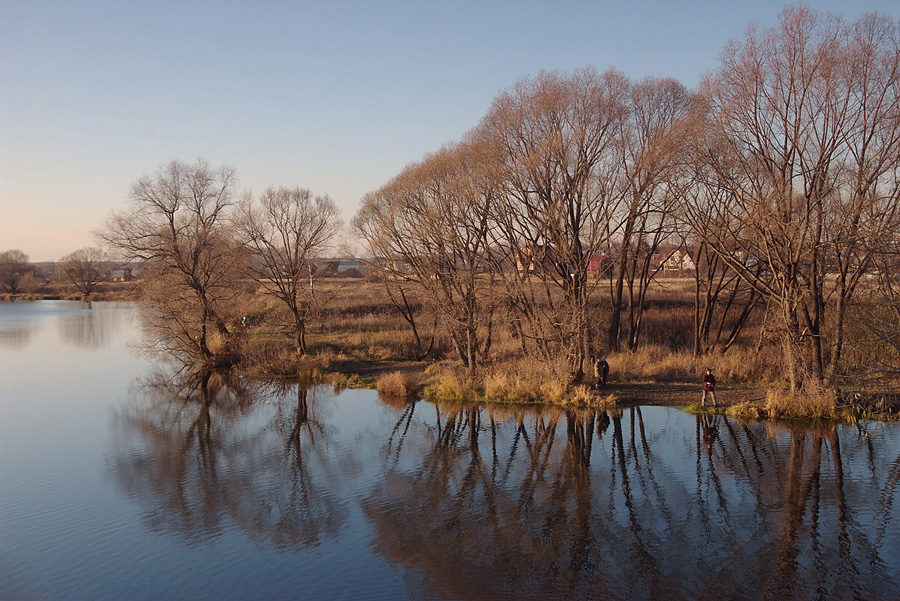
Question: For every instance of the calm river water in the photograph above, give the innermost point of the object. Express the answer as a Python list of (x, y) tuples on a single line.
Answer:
[(120, 481)]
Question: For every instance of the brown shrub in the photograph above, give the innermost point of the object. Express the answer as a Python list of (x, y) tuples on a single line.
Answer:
[(396, 384)]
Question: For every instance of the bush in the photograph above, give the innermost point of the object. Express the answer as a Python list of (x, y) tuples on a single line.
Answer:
[(396, 384)]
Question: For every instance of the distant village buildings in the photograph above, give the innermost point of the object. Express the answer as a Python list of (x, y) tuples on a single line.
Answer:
[(673, 261), (678, 261)]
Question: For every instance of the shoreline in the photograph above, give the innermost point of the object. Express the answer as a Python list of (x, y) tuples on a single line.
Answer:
[(737, 400)]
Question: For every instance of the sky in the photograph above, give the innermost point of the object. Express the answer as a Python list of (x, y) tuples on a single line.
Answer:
[(332, 96)]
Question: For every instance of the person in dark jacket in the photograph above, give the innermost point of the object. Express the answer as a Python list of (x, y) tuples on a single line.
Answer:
[(709, 386), (604, 371), (601, 372)]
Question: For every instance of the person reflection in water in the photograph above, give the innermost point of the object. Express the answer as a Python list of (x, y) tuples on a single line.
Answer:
[(710, 430), (602, 423)]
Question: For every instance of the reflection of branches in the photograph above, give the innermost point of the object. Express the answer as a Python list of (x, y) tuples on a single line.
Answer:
[(201, 451), (643, 558), (91, 328), (15, 338), (404, 420), (886, 502), (768, 515), (300, 508)]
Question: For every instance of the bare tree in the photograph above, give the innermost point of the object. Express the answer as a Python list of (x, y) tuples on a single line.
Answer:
[(650, 143), (862, 218), (723, 302), (84, 269), (400, 291), (723, 299), (875, 349), (176, 224), (556, 136), (13, 268), (285, 230), (430, 224)]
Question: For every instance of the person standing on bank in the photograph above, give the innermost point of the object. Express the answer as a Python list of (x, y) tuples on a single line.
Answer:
[(709, 386), (604, 371), (601, 371)]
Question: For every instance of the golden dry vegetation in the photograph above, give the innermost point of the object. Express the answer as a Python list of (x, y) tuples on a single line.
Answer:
[(359, 337)]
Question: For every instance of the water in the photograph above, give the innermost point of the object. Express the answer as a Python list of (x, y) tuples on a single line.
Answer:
[(120, 481)]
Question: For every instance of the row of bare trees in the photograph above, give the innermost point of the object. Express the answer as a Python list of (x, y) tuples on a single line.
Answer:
[(796, 171), (780, 173), (547, 180), (199, 237)]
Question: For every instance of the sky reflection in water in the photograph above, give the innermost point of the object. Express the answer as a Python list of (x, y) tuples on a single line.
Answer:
[(120, 481)]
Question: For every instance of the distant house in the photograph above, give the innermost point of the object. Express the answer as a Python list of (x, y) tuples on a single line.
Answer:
[(539, 259), (120, 275), (678, 261), (600, 264), (350, 267)]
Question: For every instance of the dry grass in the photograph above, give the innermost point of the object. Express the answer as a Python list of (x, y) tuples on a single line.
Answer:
[(815, 404), (513, 382), (451, 382), (397, 384), (746, 411), (267, 352), (658, 363)]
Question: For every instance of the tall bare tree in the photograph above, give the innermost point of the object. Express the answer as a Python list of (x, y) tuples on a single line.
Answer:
[(650, 143), (84, 269), (863, 216), (285, 230), (430, 224), (556, 137), (723, 299), (723, 302), (875, 347), (177, 224)]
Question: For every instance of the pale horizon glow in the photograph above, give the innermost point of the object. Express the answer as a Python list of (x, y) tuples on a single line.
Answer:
[(335, 97)]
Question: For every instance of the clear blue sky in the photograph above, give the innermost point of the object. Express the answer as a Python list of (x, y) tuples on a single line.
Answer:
[(332, 96)]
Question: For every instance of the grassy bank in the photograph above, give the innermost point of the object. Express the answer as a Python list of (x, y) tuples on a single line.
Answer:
[(359, 338)]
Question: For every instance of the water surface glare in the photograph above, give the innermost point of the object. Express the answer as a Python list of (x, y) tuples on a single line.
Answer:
[(120, 481)]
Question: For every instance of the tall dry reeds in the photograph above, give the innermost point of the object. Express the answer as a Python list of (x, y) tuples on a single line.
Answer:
[(512, 382), (658, 363), (815, 404)]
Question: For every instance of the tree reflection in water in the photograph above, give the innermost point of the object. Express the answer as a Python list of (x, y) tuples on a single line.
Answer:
[(206, 455), (90, 328), (498, 506), (15, 337), (546, 503)]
